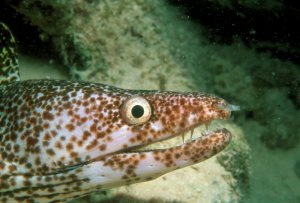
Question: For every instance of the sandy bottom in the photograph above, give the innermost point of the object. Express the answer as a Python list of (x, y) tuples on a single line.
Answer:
[(273, 177)]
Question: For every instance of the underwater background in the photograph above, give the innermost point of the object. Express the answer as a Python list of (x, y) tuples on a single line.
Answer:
[(246, 52)]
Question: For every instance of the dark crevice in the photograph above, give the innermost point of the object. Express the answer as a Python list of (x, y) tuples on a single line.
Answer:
[(28, 37), (275, 31)]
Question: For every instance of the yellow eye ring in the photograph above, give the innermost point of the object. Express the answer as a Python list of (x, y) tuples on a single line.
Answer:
[(136, 110)]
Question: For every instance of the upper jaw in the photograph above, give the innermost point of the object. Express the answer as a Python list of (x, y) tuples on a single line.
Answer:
[(220, 110)]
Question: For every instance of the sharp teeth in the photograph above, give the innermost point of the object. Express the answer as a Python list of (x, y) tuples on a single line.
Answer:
[(206, 126), (207, 132), (192, 132)]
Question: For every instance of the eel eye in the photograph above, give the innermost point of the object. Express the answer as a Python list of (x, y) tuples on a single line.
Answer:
[(136, 111)]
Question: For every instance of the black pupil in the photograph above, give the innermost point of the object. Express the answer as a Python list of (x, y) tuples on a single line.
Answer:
[(137, 111)]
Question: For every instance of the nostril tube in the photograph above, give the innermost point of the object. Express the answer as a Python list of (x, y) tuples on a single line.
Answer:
[(229, 107), (233, 107)]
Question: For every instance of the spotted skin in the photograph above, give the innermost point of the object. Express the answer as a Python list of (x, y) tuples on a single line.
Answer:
[(60, 140), (9, 70)]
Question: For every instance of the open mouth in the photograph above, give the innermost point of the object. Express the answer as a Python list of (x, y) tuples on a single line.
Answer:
[(188, 136), (201, 142), (189, 147)]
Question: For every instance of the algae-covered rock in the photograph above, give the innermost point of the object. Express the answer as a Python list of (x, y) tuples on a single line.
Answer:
[(104, 41)]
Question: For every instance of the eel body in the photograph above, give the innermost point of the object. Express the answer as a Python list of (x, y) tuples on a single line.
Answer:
[(60, 140)]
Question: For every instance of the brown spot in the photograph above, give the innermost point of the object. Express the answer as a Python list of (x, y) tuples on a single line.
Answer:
[(53, 133), (83, 119), (2, 165), (45, 143), (58, 145), (74, 154), (70, 127), (100, 134), (93, 127), (80, 143), (22, 160), (47, 137), (50, 152), (73, 138), (31, 141), (86, 134), (67, 105), (92, 144), (177, 155), (157, 158), (85, 103), (69, 146), (46, 126), (48, 116), (37, 161), (12, 168), (102, 147), (26, 183)]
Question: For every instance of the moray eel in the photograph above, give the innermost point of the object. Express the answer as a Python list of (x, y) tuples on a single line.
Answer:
[(60, 140)]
